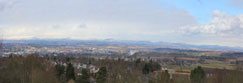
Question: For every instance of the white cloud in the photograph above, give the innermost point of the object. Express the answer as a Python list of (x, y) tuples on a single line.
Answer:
[(101, 19), (223, 29), (220, 24)]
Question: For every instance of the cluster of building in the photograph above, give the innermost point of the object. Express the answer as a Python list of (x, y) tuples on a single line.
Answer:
[(93, 69)]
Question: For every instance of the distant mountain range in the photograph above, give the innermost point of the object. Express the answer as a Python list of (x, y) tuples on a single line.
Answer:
[(159, 45)]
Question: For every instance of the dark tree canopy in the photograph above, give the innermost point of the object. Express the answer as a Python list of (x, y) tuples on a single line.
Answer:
[(101, 75), (60, 70), (146, 69), (150, 67), (197, 75), (70, 74), (84, 78)]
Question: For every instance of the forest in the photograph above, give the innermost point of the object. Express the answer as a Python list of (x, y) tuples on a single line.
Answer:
[(39, 69)]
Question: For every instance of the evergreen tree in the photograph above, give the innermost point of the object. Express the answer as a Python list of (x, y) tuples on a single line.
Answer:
[(70, 72), (146, 68), (155, 66), (197, 75), (84, 78), (60, 69), (67, 59), (150, 67), (101, 75), (138, 61)]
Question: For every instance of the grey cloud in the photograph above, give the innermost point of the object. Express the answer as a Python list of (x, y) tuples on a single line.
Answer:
[(56, 26), (107, 11), (82, 26), (236, 3), (6, 4), (69, 25)]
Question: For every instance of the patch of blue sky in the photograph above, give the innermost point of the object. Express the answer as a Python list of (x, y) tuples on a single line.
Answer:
[(203, 9)]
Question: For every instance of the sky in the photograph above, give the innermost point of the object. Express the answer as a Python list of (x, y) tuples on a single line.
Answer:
[(199, 22)]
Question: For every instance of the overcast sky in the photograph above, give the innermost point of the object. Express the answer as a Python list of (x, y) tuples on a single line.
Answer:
[(210, 22)]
